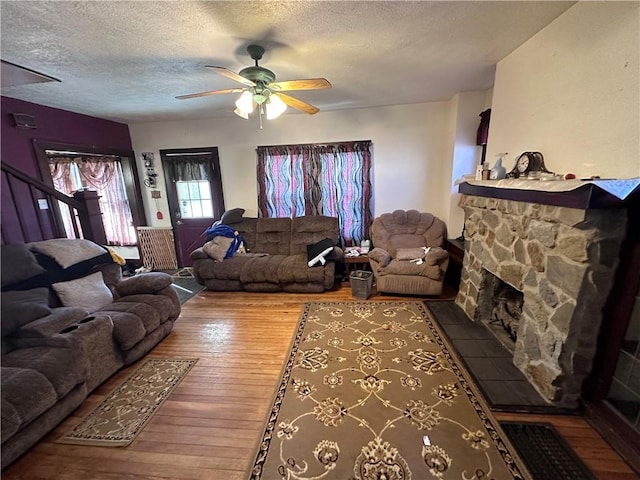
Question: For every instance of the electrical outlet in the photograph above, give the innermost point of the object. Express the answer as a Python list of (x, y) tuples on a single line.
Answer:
[(155, 193)]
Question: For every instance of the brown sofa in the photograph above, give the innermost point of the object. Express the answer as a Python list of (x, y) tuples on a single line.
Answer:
[(408, 257), (276, 257), (69, 323)]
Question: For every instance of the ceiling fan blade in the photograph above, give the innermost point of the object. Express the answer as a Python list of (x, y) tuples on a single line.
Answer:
[(232, 75), (210, 92), (298, 104), (306, 84)]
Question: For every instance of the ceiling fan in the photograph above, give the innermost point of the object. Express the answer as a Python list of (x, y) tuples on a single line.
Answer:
[(262, 91)]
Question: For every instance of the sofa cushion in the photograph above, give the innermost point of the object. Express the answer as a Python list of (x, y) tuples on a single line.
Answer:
[(20, 269), (402, 267), (128, 328), (69, 251), (50, 325), (311, 229), (404, 241), (145, 283), (63, 368), (263, 269), (273, 236), (295, 269), (411, 253), (21, 307), (19, 405), (230, 269), (88, 292)]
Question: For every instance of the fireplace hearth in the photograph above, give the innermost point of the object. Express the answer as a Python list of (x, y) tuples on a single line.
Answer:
[(553, 269)]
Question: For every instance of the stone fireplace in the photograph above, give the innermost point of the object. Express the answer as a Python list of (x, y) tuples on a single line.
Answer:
[(562, 261), (500, 308)]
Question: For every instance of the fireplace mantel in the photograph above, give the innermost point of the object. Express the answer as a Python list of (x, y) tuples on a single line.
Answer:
[(583, 195)]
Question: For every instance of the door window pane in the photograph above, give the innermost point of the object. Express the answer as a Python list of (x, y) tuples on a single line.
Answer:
[(194, 198)]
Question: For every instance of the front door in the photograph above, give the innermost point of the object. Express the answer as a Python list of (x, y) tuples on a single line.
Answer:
[(194, 193)]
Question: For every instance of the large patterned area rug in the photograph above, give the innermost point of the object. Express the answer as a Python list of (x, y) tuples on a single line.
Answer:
[(372, 391), (122, 415)]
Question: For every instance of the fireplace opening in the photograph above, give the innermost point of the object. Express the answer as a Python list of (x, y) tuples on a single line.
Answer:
[(500, 308)]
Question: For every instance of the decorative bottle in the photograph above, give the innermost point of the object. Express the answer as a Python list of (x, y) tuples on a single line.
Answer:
[(498, 172)]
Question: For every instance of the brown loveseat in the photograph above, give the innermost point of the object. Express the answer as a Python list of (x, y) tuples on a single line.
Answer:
[(276, 258), (69, 321), (408, 257)]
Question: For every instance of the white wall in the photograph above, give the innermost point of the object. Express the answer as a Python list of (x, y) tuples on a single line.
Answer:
[(409, 154), (572, 92), (465, 155)]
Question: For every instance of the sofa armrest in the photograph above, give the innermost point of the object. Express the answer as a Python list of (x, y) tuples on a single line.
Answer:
[(199, 254), (151, 282), (379, 258), (336, 255)]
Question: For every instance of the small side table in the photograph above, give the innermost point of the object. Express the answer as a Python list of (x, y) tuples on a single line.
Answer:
[(361, 262), (456, 257)]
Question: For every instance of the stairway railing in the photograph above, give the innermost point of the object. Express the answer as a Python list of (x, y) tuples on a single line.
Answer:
[(83, 207)]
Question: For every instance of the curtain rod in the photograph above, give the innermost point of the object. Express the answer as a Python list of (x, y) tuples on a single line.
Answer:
[(323, 144), (55, 153), (187, 154)]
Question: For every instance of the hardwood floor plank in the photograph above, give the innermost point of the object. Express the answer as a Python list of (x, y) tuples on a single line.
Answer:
[(209, 427)]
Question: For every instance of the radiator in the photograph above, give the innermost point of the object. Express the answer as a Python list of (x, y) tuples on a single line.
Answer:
[(157, 250)]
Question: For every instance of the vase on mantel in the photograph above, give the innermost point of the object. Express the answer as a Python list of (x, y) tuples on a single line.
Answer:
[(498, 172)]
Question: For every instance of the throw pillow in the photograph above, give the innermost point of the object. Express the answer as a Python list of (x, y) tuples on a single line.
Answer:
[(217, 247), (232, 216), (68, 251), (89, 292), (411, 253), (20, 270)]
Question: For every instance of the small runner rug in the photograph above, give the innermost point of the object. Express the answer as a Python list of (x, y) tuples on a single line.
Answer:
[(122, 415), (371, 390)]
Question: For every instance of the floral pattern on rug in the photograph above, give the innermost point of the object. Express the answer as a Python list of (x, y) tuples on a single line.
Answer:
[(371, 391), (122, 415)]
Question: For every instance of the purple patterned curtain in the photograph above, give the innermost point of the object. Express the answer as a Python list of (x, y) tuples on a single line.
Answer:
[(332, 180)]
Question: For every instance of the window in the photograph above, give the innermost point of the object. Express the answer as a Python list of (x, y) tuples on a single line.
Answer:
[(194, 198), (332, 180), (104, 175)]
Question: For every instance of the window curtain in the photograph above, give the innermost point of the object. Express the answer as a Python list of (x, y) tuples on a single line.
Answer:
[(104, 175), (189, 168), (332, 180)]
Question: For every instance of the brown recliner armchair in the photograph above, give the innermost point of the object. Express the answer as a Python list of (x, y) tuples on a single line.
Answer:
[(408, 257)]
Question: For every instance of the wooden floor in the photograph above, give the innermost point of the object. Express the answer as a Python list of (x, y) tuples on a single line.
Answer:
[(209, 427)]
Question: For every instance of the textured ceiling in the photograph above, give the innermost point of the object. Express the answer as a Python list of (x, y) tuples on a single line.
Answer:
[(126, 61)]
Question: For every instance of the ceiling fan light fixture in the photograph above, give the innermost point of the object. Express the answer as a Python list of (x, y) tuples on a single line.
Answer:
[(244, 104), (241, 114), (275, 107)]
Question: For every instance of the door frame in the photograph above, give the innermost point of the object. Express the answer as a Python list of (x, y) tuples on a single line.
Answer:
[(215, 181)]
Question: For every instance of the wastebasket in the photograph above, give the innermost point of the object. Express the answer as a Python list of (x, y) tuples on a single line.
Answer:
[(361, 283)]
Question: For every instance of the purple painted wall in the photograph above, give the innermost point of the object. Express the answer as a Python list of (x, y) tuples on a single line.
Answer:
[(53, 125)]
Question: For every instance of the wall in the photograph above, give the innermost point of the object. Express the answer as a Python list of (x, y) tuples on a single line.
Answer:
[(571, 92), (53, 125), (464, 154), (410, 158)]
